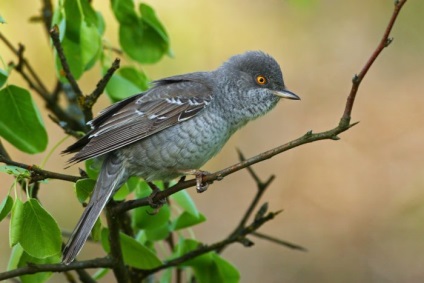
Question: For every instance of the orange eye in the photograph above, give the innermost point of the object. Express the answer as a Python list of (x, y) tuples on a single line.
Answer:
[(261, 80)]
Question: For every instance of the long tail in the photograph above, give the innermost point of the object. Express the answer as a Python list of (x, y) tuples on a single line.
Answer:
[(111, 177)]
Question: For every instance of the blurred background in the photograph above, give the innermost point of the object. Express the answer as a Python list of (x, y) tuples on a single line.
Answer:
[(356, 204)]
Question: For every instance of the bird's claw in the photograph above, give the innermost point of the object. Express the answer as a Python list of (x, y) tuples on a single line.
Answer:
[(156, 205), (200, 185)]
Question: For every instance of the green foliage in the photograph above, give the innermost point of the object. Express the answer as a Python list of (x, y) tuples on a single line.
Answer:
[(19, 258), (33, 233), (3, 77), (81, 30), (135, 254), (84, 188), (210, 267), (125, 82), (5, 207), (30, 221), (20, 120), (142, 37)]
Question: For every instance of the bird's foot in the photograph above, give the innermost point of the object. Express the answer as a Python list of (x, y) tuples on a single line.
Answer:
[(199, 174), (156, 205)]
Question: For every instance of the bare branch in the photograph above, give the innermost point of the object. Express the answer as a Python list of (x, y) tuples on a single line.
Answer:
[(38, 174), (119, 269), (58, 267), (279, 242), (54, 34), (91, 99), (384, 42), (239, 237)]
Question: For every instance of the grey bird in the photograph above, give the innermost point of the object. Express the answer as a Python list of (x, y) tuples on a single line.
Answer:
[(174, 128)]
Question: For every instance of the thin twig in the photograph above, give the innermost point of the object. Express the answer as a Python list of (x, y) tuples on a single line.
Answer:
[(91, 99), (279, 242), (55, 36), (38, 174), (384, 42), (37, 85), (47, 14), (216, 246), (119, 268), (58, 267)]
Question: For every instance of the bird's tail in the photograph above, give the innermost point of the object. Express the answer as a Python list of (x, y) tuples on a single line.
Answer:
[(111, 177)]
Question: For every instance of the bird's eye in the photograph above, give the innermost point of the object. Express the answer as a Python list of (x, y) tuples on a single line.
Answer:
[(261, 80)]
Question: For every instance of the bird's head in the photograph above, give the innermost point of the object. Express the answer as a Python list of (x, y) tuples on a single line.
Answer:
[(254, 83)]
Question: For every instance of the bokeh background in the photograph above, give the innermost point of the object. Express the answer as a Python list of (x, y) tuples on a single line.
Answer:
[(356, 204)]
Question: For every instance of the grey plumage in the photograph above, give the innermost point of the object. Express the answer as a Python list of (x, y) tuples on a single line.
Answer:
[(173, 128)]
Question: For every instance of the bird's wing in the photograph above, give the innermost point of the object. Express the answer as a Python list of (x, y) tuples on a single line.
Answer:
[(169, 102)]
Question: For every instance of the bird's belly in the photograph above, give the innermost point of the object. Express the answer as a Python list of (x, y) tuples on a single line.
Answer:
[(186, 146)]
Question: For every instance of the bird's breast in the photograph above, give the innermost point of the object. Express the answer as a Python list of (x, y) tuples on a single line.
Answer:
[(185, 146)]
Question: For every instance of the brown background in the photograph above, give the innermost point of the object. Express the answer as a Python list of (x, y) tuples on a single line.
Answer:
[(355, 204)]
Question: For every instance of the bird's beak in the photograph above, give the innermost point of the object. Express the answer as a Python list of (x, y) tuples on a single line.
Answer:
[(286, 94)]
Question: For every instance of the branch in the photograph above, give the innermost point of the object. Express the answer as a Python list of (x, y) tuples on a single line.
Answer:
[(54, 34), (37, 85), (344, 125), (91, 99), (38, 174), (239, 237), (58, 267), (279, 242), (85, 102), (119, 268), (384, 42)]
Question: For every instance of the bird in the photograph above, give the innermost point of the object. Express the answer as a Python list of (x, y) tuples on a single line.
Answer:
[(173, 129)]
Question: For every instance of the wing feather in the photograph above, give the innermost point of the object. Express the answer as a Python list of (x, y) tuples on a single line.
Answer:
[(168, 103)]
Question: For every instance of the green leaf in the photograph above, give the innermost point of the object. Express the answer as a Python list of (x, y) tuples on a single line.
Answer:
[(188, 245), (89, 14), (158, 233), (124, 11), (92, 168), (150, 18), (16, 221), (39, 277), (15, 256), (84, 188), (3, 76), (184, 200), (143, 38), (100, 273), (145, 219), (5, 207), (20, 120), (81, 41), (134, 253), (227, 272), (18, 172), (209, 267), (37, 223), (125, 82), (186, 219), (96, 232)]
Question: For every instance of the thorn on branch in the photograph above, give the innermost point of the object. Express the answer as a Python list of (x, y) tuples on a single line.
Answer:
[(335, 138), (21, 60), (388, 41), (246, 242), (308, 134), (353, 124), (261, 212), (279, 242), (355, 79)]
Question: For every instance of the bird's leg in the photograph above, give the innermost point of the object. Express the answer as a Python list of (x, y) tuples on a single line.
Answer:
[(200, 185), (158, 204)]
